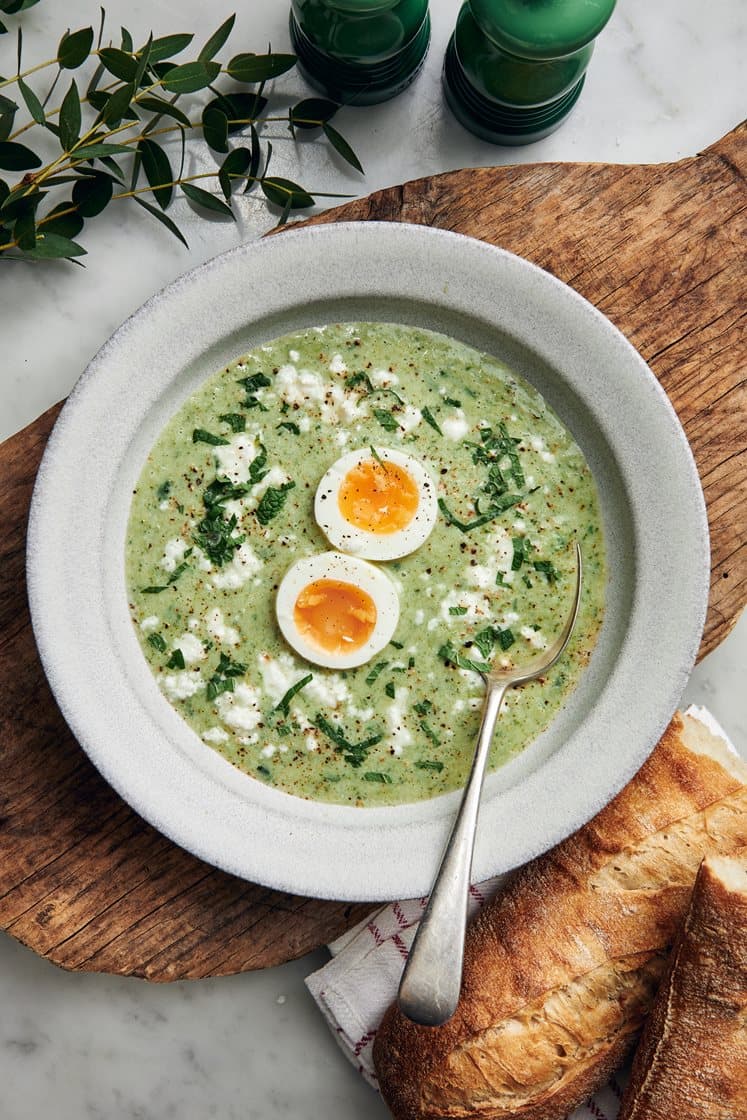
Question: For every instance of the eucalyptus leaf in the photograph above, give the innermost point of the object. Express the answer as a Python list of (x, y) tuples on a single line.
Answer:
[(256, 153), (215, 129), (24, 230), (92, 194), (341, 146), (70, 118), (207, 201), (63, 219), (95, 79), (8, 111), (280, 191), (312, 112), (169, 45), (235, 164), (163, 108), (127, 44), (51, 246), (17, 157), (252, 68), (96, 151), (143, 60), (119, 63), (239, 108), (75, 48), (117, 105), (10, 7), (33, 104), (4, 191), (157, 171), (190, 77), (3, 28), (217, 40), (164, 219), (21, 200)]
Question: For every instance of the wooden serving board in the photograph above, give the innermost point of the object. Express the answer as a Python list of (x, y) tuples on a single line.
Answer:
[(660, 250)]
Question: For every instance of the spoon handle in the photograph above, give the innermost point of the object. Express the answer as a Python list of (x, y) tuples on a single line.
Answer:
[(432, 979)]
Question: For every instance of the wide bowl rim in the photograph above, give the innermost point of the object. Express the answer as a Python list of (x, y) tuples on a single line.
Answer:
[(211, 819)]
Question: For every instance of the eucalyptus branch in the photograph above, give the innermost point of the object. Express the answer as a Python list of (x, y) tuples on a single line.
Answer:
[(48, 204)]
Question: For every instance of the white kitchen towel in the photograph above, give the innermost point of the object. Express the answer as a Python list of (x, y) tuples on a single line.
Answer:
[(354, 989)]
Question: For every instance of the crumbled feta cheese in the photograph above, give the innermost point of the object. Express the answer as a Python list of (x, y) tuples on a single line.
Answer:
[(236, 457), (383, 378), (535, 637), (455, 426), (243, 565), (337, 365), (191, 648), (481, 576), (268, 751), (477, 605), (294, 355), (219, 630), (180, 686), (240, 708), (150, 623), (215, 735), (173, 553), (433, 623), (419, 617), (409, 418)]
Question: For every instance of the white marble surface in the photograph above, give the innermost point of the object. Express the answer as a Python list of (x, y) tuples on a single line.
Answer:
[(664, 83)]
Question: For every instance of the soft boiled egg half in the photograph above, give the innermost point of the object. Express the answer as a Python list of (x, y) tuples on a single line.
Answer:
[(377, 503), (336, 611)]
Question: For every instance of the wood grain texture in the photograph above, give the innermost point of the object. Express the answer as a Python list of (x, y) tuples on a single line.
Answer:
[(660, 250)]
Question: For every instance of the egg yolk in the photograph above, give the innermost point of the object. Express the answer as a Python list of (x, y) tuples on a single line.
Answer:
[(335, 616), (378, 497)]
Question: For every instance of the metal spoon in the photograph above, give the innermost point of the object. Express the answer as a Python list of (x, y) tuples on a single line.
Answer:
[(430, 985)]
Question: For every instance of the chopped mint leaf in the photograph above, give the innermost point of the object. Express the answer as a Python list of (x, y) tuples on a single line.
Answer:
[(163, 491), (457, 610), (223, 678), (378, 668), (290, 426), (429, 764), (429, 733), (354, 753), (254, 382), (157, 642), (176, 661), (519, 555), (430, 419), (377, 776), (283, 705), (547, 569), (389, 690), (235, 420), (386, 419), (452, 402), (272, 502), (199, 435), (360, 378)]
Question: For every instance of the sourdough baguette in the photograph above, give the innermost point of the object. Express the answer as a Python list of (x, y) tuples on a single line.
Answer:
[(562, 966), (691, 1062)]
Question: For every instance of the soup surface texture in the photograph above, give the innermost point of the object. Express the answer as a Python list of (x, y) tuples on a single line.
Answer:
[(225, 506)]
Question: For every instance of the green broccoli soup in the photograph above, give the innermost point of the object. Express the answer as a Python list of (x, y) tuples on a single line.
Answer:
[(418, 503)]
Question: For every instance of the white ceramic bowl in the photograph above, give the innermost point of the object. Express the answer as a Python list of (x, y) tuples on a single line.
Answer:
[(654, 521)]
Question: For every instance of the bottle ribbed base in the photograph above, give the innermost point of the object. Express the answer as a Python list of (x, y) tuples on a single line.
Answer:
[(360, 83), (498, 122)]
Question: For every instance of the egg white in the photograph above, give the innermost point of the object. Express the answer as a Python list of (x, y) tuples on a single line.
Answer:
[(359, 542), (334, 565)]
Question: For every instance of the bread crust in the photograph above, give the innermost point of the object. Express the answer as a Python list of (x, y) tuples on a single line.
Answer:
[(691, 1062), (562, 966)]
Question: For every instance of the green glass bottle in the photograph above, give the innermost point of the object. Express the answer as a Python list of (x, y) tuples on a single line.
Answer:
[(360, 52), (514, 69)]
